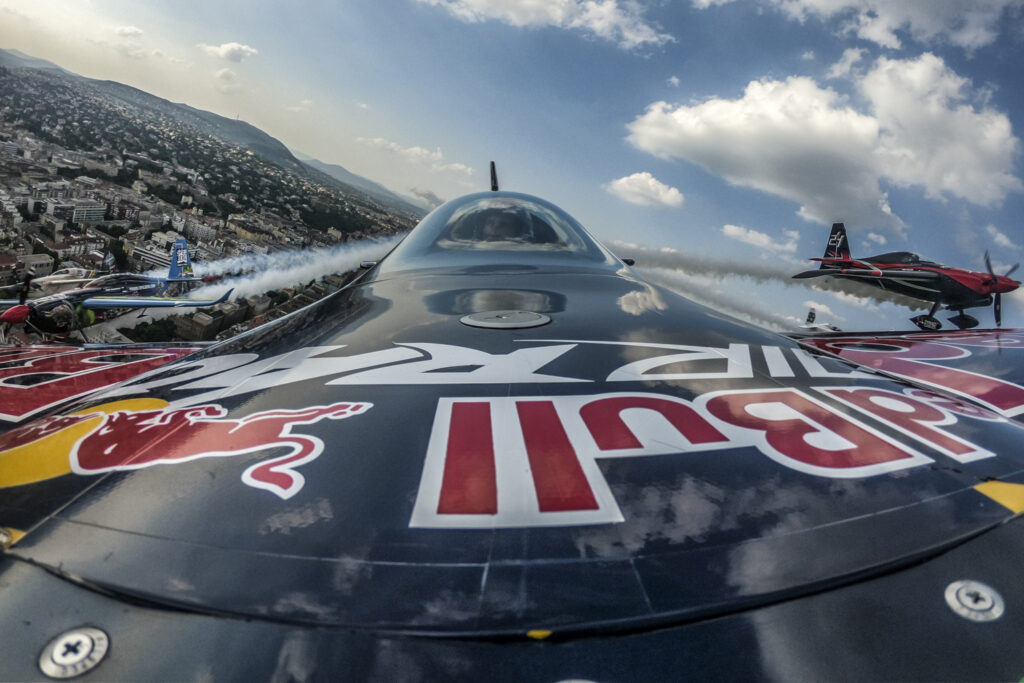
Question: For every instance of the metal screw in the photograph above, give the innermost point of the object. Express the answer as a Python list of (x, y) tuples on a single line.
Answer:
[(974, 600), (74, 652)]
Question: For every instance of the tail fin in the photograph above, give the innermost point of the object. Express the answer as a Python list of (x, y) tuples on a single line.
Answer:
[(838, 246), (181, 262)]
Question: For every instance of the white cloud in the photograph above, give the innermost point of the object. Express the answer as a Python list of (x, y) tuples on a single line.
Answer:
[(233, 52), (300, 106), (797, 140), (790, 139), (808, 56), (128, 31), (1000, 238), (607, 19), (965, 24), (431, 159), (931, 137), (759, 239), (875, 238), (842, 68), (645, 190), (673, 81)]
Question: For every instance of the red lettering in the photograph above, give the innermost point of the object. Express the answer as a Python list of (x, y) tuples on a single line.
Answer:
[(910, 416), (604, 420), (907, 358), (808, 433), (954, 405), (557, 475), (469, 485)]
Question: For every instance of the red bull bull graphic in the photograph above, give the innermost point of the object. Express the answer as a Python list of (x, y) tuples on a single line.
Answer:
[(134, 434)]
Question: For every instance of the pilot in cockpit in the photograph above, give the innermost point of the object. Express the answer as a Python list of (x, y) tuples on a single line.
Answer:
[(505, 226)]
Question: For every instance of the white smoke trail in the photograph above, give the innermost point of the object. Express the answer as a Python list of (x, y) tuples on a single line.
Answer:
[(263, 273), (775, 271), (283, 269), (696, 289)]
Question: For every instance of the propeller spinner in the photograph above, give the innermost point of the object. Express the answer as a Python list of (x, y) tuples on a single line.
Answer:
[(997, 303)]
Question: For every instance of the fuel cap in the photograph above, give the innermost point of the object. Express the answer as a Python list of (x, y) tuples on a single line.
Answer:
[(506, 319)]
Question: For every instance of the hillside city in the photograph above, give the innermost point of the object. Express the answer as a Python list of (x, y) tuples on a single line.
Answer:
[(88, 175)]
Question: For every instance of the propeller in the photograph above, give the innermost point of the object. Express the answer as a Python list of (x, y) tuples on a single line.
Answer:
[(998, 298)]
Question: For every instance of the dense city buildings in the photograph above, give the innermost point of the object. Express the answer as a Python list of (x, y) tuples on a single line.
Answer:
[(95, 173)]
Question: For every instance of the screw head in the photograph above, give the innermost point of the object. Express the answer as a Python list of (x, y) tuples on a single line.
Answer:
[(974, 600), (74, 652)]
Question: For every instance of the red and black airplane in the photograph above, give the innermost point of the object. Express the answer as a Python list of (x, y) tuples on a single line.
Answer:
[(906, 273)]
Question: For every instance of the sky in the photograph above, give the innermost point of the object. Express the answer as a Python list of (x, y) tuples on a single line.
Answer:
[(684, 132)]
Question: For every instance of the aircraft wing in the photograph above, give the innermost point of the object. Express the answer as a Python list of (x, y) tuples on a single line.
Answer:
[(535, 466), (903, 274), (99, 302)]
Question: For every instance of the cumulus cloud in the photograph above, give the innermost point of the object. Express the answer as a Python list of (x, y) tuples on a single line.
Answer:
[(875, 238), (645, 190), (128, 31), (673, 81), (233, 52), (622, 24), (797, 140), (931, 137), (968, 25), (432, 159), (763, 241)]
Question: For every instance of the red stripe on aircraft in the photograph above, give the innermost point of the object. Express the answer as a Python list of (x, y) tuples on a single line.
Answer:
[(557, 475), (469, 484)]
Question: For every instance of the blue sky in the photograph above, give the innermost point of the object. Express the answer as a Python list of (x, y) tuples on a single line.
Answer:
[(729, 132)]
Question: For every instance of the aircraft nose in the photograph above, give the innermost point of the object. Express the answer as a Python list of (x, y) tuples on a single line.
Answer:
[(1005, 284), (15, 314)]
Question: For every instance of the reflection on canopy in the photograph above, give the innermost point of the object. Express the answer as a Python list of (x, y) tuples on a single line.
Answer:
[(498, 228)]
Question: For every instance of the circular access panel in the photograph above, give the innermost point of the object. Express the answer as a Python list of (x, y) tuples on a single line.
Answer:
[(505, 319)]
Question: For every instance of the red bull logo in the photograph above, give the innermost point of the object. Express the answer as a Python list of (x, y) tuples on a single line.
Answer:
[(121, 436)]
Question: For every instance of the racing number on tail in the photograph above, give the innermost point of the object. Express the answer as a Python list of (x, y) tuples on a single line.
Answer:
[(838, 246)]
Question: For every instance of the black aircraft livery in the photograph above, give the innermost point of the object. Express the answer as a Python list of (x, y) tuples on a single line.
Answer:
[(501, 454)]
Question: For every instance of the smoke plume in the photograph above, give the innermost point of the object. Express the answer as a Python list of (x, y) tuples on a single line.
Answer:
[(253, 274)]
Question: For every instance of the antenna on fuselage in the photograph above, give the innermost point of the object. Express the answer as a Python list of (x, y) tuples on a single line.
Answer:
[(494, 178)]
